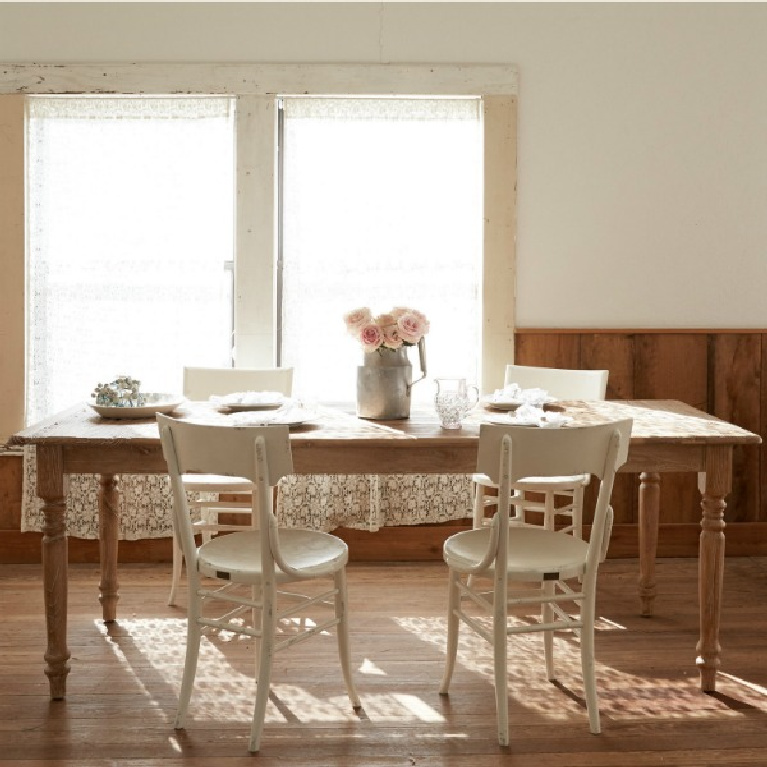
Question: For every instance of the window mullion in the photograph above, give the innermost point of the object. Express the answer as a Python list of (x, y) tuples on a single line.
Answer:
[(256, 232)]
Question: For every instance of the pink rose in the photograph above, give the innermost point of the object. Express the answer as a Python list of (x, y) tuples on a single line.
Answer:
[(371, 337), (412, 326), (356, 319), (392, 338)]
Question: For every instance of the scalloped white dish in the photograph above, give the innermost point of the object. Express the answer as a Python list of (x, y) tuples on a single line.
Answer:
[(143, 411)]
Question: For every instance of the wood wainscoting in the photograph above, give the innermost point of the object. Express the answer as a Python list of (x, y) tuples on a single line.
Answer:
[(719, 371)]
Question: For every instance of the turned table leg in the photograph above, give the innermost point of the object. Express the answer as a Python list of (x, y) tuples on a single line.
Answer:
[(715, 483), (649, 512), (51, 487), (108, 535)]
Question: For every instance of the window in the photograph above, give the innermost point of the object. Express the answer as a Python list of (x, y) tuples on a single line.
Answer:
[(253, 148)]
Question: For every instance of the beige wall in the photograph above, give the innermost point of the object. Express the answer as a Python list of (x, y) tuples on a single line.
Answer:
[(642, 154)]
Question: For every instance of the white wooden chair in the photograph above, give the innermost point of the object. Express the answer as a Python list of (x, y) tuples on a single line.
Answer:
[(561, 496), (531, 556), (199, 385), (263, 559)]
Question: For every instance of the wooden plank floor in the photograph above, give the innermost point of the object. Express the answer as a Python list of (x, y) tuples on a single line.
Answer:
[(124, 681)]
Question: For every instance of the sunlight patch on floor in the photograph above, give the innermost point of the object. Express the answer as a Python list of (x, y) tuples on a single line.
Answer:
[(622, 695)]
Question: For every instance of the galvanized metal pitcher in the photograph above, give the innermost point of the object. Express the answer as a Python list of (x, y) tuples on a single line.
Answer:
[(384, 383)]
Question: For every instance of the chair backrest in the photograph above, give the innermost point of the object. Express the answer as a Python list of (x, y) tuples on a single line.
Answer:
[(551, 452), (259, 453), (559, 382), (202, 383), (508, 454)]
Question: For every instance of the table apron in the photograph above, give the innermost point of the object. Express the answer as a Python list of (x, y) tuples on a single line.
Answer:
[(356, 459), (665, 458), (114, 459)]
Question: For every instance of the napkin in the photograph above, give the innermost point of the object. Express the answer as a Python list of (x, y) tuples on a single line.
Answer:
[(515, 393), (291, 413), (532, 415)]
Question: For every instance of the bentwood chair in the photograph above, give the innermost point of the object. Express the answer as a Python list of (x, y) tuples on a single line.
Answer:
[(201, 383), (557, 497), (530, 566), (259, 561)]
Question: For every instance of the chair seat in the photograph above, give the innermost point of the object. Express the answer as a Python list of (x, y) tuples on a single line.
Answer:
[(237, 556), (538, 484), (216, 483), (533, 553)]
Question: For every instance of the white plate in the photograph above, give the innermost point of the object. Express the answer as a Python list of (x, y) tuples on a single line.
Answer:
[(244, 407), (509, 404), (144, 411)]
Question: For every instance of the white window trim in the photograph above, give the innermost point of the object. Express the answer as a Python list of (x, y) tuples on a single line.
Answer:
[(256, 85)]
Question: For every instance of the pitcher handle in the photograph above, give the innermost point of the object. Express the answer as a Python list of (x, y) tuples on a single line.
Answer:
[(421, 362)]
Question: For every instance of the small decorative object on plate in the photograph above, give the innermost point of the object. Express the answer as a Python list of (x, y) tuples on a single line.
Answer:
[(124, 391), (123, 398), (385, 379)]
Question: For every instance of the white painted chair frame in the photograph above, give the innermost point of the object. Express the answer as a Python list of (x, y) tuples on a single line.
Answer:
[(562, 496), (264, 559), (528, 554), (200, 383)]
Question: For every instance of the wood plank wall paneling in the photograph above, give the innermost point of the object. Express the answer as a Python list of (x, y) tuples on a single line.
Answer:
[(719, 371), (735, 395)]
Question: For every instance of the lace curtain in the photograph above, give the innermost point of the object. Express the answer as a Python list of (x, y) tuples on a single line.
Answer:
[(130, 227), (382, 207)]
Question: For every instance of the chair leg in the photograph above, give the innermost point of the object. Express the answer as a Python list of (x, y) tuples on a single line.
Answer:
[(478, 509), (453, 602), (578, 511), (549, 520), (193, 634), (547, 616), (210, 517), (178, 562), (264, 669), (500, 667), (255, 614), (588, 663), (342, 633)]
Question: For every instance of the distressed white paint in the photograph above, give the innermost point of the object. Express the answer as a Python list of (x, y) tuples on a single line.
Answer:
[(259, 79)]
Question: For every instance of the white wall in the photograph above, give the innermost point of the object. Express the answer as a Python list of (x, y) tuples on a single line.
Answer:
[(642, 128)]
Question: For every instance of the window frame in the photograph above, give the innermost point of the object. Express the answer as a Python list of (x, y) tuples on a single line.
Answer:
[(257, 87)]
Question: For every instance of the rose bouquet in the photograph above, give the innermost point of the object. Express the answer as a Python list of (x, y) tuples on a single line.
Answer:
[(401, 326)]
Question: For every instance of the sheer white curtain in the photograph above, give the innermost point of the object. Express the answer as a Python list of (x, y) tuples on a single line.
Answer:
[(382, 207), (131, 220)]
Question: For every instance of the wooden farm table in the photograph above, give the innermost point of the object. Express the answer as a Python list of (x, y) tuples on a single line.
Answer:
[(667, 436)]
